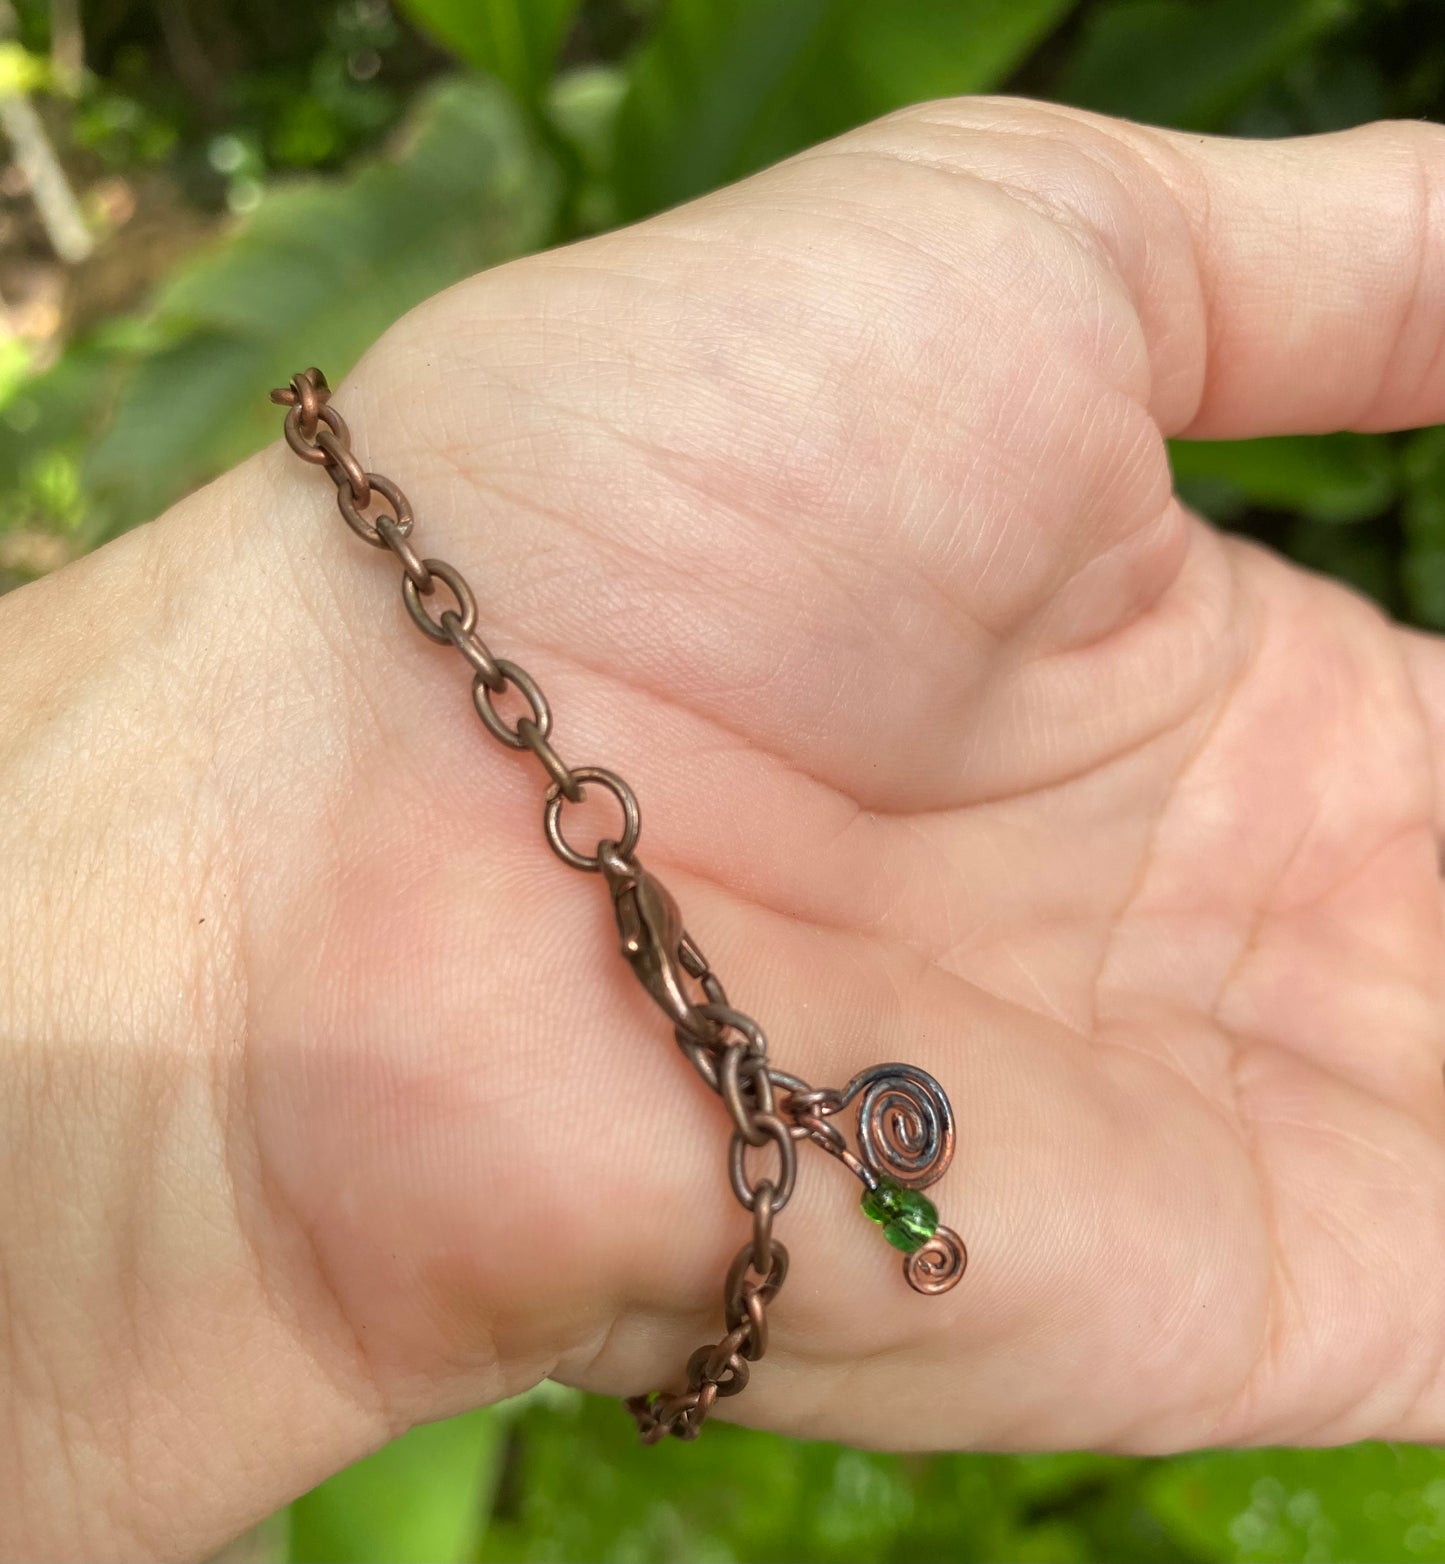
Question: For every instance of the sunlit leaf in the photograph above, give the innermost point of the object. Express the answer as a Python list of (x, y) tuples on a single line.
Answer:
[(21, 71), (314, 276), (582, 107), (423, 1498), (580, 1488), (1314, 1506)]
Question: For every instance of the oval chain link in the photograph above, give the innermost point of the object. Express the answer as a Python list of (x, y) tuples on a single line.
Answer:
[(318, 434)]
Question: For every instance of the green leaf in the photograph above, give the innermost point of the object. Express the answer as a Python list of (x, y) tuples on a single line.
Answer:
[(514, 40), (1366, 1502), (898, 54), (583, 105), (1423, 518), (725, 86), (421, 1498), (16, 357), (579, 1488), (20, 71), (314, 276), (581, 108), (1330, 478), (1191, 63)]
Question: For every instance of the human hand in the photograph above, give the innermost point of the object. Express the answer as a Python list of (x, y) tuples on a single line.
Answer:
[(834, 512)]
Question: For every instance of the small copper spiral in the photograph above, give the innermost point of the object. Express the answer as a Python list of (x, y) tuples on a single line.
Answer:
[(938, 1265), (905, 1123)]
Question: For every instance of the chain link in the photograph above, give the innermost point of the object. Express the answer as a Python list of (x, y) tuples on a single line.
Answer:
[(631, 818), (518, 679), (392, 535), (464, 600), (318, 434), (769, 1108), (473, 649)]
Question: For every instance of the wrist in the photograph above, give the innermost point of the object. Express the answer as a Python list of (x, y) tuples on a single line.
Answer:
[(174, 1367)]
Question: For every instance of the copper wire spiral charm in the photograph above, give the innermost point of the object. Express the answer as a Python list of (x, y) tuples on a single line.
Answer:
[(905, 1124), (938, 1265)]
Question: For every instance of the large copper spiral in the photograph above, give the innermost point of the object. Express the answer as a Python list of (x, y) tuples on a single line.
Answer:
[(905, 1123)]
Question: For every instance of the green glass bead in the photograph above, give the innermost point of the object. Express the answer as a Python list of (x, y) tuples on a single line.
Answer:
[(908, 1218)]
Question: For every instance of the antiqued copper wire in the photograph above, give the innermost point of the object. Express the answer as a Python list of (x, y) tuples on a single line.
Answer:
[(939, 1264), (541, 719), (905, 1130), (534, 739), (303, 442), (474, 650), (351, 506), (774, 1129), (455, 582), (747, 1091), (411, 562), (552, 818), (905, 1124), (763, 1208), (308, 393), (343, 466)]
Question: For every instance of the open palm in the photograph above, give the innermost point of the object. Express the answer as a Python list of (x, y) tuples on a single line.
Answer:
[(835, 513)]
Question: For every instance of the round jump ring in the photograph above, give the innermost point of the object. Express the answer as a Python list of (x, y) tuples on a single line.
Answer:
[(459, 590), (818, 1099), (808, 1126), (552, 816), (306, 449), (491, 719), (309, 390), (351, 507)]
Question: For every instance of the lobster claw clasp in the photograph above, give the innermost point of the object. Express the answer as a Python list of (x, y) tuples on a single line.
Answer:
[(652, 933)]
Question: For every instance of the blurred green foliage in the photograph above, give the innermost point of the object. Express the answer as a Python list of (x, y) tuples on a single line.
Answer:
[(403, 149), (349, 159), (558, 1478)]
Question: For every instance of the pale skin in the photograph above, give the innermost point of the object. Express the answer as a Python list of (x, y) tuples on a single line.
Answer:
[(834, 512)]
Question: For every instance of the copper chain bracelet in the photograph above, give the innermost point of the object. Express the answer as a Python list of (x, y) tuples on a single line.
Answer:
[(905, 1130)]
